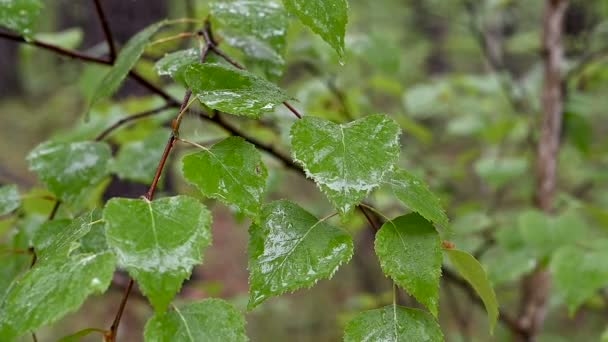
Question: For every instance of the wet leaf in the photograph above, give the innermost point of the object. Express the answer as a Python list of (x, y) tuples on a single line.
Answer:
[(232, 90), (409, 249), (137, 160), (158, 242), (9, 199), (173, 64), (70, 169), (20, 15), (210, 320), (231, 171), (290, 249), (393, 323), (346, 161), (327, 18)]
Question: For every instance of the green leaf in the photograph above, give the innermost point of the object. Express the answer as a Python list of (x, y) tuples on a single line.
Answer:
[(415, 194), (210, 320), (393, 323), (173, 64), (232, 90), (409, 249), (158, 242), (327, 18), (137, 160), (231, 171), (69, 169), (472, 271), (20, 15), (125, 61), (259, 28), (52, 289), (346, 161), (58, 238), (579, 273), (291, 249), (498, 172), (79, 335), (544, 234), (9, 199)]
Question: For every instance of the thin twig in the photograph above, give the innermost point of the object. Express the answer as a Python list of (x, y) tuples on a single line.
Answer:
[(106, 29), (111, 336), (130, 118)]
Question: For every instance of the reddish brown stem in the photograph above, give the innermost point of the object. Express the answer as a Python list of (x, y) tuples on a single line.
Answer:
[(111, 336), (130, 118)]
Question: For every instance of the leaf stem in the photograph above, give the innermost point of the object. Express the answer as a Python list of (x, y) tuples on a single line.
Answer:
[(175, 37), (111, 335), (130, 118)]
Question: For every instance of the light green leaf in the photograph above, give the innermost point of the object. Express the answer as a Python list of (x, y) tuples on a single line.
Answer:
[(58, 238), (414, 193), (291, 249), (158, 242), (231, 171), (173, 64), (232, 90), (499, 171), (9, 199), (409, 249), (544, 234), (137, 160), (580, 273), (68, 39), (327, 18), (210, 320), (258, 27), (126, 59), (52, 289), (69, 169), (393, 323), (20, 15), (79, 335), (346, 161), (472, 271)]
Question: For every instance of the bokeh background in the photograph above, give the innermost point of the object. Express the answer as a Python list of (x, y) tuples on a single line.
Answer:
[(464, 84)]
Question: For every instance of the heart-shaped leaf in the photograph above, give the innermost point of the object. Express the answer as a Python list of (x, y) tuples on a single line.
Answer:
[(393, 323), (158, 242), (346, 161), (290, 249), (231, 90), (409, 249), (207, 320), (231, 171)]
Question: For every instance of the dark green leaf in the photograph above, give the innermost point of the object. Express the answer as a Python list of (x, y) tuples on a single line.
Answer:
[(231, 171), (393, 323), (69, 169), (327, 18), (210, 320), (20, 15), (409, 249), (414, 193), (346, 161), (291, 249), (472, 271), (158, 242), (137, 160), (233, 91), (9, 199)]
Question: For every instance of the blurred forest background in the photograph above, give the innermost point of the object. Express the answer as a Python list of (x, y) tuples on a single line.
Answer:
[(463, 79)]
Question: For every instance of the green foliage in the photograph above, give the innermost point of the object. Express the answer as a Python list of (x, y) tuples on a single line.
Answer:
[(137, 160), (393, 323), (9, 199), (346, 161), (544, 234), (258, 28), (232, 90), (20, 15), (290, 249), (473, 272), (125, 61), (415, 194), (409, 250), (212, 320), (231, 171), (173, 64), (69, 169), (158, 242), (327, 18)]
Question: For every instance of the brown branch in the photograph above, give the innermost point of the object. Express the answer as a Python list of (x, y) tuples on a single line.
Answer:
[(111, 335), (106, 29), (128, 119)]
